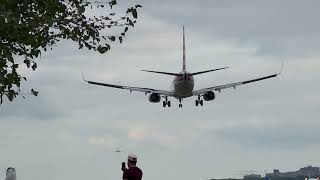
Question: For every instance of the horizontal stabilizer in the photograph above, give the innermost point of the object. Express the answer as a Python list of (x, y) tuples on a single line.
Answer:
[(166, 73), (201, 72)]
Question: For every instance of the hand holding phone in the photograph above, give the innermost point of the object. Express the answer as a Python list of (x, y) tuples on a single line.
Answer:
[(123, 166)]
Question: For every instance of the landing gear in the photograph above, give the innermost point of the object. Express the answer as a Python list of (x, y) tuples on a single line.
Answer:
[(199, 101), (180, 105), (166, 102)]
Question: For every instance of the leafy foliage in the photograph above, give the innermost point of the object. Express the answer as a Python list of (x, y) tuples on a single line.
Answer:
[(28, 27)]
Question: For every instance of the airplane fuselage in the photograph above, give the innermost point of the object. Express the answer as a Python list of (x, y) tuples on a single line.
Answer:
[(183, 85)]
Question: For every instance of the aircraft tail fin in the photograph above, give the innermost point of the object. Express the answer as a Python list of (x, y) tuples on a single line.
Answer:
[(184, 53)]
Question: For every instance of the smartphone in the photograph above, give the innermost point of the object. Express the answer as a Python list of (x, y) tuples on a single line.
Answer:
[(123, 165)]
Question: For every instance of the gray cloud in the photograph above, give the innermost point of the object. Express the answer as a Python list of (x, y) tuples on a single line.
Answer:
[(284, 136), (282, 28)]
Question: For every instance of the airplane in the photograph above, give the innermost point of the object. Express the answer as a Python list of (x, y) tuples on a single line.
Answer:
[(183, 85)]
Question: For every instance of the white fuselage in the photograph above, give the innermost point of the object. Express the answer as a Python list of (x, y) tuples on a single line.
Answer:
[(183, 85)]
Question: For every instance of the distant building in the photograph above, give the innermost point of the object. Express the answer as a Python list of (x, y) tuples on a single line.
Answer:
[(310, 171), (303, 172)]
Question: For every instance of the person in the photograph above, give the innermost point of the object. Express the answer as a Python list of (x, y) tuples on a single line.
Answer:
[(134, 172), (11, 174)]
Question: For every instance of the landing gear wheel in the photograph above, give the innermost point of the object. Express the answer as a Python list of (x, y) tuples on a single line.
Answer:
[(201, 102), (180, 105), (166, 102)]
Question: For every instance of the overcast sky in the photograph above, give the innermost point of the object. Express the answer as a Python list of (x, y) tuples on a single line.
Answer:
[(70, 131)]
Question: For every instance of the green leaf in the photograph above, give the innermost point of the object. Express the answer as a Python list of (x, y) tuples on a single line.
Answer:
[(10, 58), (112, 38), (112, 3), (11, 95), (130, 22), (34, 66), (80, 45), (27, 62), (81, 9), (35, 93), (134, 13), (102, 49), (120, 39), (15, 66)]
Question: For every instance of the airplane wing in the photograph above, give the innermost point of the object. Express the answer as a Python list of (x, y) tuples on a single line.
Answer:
[(139, 89), (234, 85)]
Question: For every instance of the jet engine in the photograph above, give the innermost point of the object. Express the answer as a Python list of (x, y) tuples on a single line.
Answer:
[(154, 97), (209, 96)]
